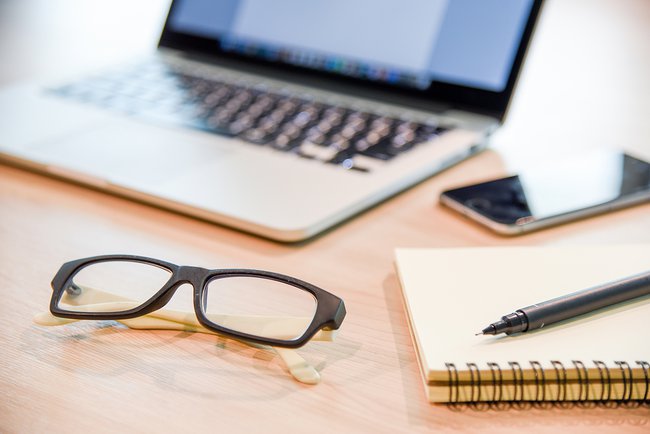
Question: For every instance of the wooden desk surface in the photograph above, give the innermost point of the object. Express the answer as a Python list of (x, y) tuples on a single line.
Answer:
[(586, 85)]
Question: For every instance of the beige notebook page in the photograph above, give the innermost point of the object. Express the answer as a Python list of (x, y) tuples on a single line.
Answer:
[(451, 294)]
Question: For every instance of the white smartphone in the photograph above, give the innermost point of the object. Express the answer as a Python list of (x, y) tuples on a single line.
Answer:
[(554, 193)]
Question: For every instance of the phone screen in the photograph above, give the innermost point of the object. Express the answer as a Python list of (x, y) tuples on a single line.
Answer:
[(559, 188)]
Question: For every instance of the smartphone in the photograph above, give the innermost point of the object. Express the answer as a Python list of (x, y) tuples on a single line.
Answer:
[(554, 193)]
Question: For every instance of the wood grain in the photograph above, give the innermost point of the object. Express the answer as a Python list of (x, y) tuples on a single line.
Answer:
[(98, 377)]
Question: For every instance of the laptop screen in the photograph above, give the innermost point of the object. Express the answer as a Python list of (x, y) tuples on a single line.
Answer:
[(424, 47)]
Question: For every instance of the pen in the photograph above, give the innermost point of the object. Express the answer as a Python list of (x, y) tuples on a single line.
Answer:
[(571, 305)]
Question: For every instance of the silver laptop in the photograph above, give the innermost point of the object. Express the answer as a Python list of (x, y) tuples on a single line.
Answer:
[(281, 118)]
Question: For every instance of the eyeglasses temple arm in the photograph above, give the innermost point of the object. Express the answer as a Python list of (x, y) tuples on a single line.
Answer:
[(278, 326)]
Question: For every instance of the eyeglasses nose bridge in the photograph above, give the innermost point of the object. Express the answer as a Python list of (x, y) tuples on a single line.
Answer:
[(190, 274), (183, 275)]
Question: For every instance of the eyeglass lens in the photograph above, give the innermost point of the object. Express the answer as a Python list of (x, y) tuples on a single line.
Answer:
[(113, 286), (259, 306)]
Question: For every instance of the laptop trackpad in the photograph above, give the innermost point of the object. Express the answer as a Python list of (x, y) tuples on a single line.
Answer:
[(128, 153)]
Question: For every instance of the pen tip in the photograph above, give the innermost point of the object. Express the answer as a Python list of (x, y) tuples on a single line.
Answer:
[(479, 333)]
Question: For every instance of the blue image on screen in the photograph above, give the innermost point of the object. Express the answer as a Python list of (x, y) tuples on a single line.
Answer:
[(466, 42)]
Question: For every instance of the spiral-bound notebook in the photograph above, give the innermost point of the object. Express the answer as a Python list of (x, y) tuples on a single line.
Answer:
[(451, 294)]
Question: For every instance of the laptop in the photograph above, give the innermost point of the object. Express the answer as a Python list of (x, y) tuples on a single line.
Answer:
[(280, 118)]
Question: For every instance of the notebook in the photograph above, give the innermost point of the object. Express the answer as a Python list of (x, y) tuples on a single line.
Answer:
[(451, 294), (257, 115)]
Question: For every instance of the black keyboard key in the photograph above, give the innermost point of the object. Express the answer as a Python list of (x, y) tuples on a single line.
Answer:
[(380, 151)]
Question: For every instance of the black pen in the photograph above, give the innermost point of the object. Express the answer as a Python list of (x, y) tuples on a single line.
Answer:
[(571, 305)]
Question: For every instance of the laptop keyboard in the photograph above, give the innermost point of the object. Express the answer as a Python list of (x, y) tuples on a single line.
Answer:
[(332, 134)]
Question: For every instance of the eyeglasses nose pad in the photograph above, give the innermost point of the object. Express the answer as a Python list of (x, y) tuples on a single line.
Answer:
[(204, 300)]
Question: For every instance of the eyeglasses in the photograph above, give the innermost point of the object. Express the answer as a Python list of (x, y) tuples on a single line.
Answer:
[(251, 305)]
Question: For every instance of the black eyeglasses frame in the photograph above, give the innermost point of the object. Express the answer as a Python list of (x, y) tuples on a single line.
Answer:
[(329, 314)]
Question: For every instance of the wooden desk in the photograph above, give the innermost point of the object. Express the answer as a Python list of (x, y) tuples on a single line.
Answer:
[(585, 86)]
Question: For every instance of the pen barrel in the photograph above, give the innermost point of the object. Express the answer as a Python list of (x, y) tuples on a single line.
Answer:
[(586, 300)]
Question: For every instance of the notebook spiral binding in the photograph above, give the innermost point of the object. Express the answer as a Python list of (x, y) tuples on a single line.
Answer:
[(496, 381)]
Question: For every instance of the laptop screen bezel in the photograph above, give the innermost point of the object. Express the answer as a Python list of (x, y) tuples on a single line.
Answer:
[(440, 95)]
